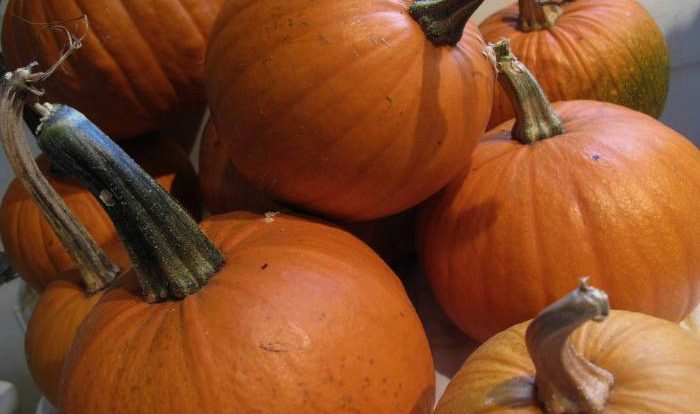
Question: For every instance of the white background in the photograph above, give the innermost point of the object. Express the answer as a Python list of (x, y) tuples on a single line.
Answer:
[(680, 22)]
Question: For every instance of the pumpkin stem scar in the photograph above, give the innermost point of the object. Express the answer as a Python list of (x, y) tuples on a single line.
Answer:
[(172, 257), (96, 269), (565, 381), (538, 14), (443, 21), (535, 119)]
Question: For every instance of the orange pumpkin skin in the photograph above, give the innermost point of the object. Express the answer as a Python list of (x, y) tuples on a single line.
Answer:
[(30, 243), (346, 110), (224, 189), (614, 197), (655, 365), (603, 50), (55, 319), (302, 318), (141, 63)]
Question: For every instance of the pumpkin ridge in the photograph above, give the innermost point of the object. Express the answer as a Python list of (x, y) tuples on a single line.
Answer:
[(377, 198), (146, 40), (195, 24), (124, 80)]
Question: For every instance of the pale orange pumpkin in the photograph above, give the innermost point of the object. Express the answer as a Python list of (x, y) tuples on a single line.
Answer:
[(290, 315), (603, 50), (140, 65), (604, 191), (30, 243), (55, 319), (629, 363), (347, 109)]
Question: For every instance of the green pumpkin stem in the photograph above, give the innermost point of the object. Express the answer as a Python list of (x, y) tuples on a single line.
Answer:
[(172, 256), (566, 382), (443, 21), (535, 118), (96, 269), (538, 14)]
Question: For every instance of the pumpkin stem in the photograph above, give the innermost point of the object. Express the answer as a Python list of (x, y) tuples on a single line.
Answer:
[(535, 118), (566, 382), (172, 256), (96, 269), (443, 21), (538, 14)]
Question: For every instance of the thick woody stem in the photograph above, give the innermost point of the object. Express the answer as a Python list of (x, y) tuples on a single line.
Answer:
[(566, 382), (96, 269), (535, 118)]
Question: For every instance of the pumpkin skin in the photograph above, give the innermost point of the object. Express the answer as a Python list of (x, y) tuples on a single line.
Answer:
[(603, 50), (302, 318), (614, 197), (630, 345), (30, 243), (345, 110), (128, 77), (224, 189), (55, 319)]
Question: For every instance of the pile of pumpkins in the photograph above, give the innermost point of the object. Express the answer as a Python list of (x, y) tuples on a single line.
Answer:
[(340, 132)]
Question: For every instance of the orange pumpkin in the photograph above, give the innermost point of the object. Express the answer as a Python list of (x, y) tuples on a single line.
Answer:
[(290, 315), (347, 109), (613, 196), (30, 243), (603, 50), (141, 63), (629, 363), (224, 189), (55, 319)]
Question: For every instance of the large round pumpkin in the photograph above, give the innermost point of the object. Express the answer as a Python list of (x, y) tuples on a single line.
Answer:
[(614, 196), (302, 318), (30, 243), (629, 363), (274, 313), (140, 65), (346, 108), (603, 50), (224, 189), (55, 319)]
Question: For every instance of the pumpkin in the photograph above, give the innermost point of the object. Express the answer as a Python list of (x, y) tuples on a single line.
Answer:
[(273, 313), (30, 243), (603, 50), (347, 109), (224, 189), (141, 63), (597, 190), (628, 363), (55, 319)]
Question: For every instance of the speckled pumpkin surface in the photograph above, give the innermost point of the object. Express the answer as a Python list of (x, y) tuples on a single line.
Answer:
[(605, 50)]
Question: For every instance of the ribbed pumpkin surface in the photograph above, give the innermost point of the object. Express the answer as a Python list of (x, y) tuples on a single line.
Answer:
[(141, 62), (604, 50)]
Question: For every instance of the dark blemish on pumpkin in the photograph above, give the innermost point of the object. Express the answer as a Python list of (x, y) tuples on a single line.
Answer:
[(322, 317), (390, 100), (272, 347), (263, 267), (371, 361), (595, 157), (290, 22), (324, 39), (356, 53)]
